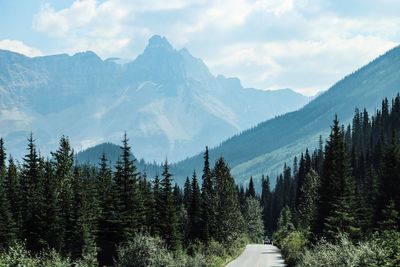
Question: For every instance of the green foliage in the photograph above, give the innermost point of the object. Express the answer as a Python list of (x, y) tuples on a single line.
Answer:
[(144, 251), (390, 241), (18, 255), (194, 210), (127, 201), (78, 215), (236, 243), (251, 190), (307, 207), (168, 221), (63, 162), (336, 211), (253, 219), (229, 219), (293, 246), (208, 201), (345, 253)]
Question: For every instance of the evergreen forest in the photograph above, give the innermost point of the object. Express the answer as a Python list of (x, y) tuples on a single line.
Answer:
[(335, 206)]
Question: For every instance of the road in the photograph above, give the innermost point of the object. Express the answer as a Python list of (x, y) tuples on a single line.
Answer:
[(257, 255)]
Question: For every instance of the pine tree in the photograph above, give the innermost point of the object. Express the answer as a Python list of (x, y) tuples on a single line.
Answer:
[(158, 206), (168, 214), (178, 196), (285, 224), (194, 211), (87, 208), (148, 201), (14, 196), (51, 220), (32, 201), (7, 225), (63, 161), (336, 212), (253, 219), (390, 217), (208, 202), (266, 203), (308, 206), (106, 238), (128, 203), (252, 191), (229, 218), (187, 193), (390, 179)]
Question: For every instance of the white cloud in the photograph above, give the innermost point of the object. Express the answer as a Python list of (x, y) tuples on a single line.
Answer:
[(108, 27), (303, 44), (19, 47), (306, 66), (60, 23), (87, 25)]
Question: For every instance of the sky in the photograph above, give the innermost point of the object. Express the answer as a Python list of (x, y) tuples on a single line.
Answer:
[(305, 45)]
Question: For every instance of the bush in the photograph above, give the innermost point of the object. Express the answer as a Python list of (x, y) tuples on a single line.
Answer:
[(345, 253), (144, 251), (390, 240), (216, 249), (184, 260), (236, 244), (17, 255), (292, 246)]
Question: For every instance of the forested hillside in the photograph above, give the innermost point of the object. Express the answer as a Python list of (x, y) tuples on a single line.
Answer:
[(339, 205)]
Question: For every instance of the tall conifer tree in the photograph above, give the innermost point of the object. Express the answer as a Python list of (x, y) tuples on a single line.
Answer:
[(168, 217), (194, 212)]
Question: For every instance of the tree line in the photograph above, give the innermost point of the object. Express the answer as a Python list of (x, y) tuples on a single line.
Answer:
[(348, 186), (91, 211)]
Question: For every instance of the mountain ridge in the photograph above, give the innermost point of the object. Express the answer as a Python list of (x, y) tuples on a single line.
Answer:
[(263, 149), (166, 100)]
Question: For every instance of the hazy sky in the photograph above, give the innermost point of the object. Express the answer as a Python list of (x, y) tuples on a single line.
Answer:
[(306, 45)]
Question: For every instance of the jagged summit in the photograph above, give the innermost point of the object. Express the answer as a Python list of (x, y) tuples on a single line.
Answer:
[(157, 41), (159, 62)]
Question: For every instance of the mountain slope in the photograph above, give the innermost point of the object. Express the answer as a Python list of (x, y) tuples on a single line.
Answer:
[(264, 148), (166, 100)]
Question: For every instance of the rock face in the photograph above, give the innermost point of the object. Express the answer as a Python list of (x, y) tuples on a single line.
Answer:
[(166, 100)]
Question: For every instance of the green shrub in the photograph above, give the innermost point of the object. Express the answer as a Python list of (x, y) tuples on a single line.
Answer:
[(345, 253), (216, 249), (292, 246), (236, 244), (17, 255), (197, 260), (144, 251), (390, 240)]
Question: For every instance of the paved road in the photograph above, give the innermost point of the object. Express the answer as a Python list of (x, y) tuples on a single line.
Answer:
[(259, 256)]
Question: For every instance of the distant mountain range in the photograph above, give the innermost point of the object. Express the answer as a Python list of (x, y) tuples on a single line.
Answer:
[(166, 100), (265, 148)]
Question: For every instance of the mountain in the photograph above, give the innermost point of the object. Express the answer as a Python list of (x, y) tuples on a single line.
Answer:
[(264, 149), (92, 156), (166, 100)]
